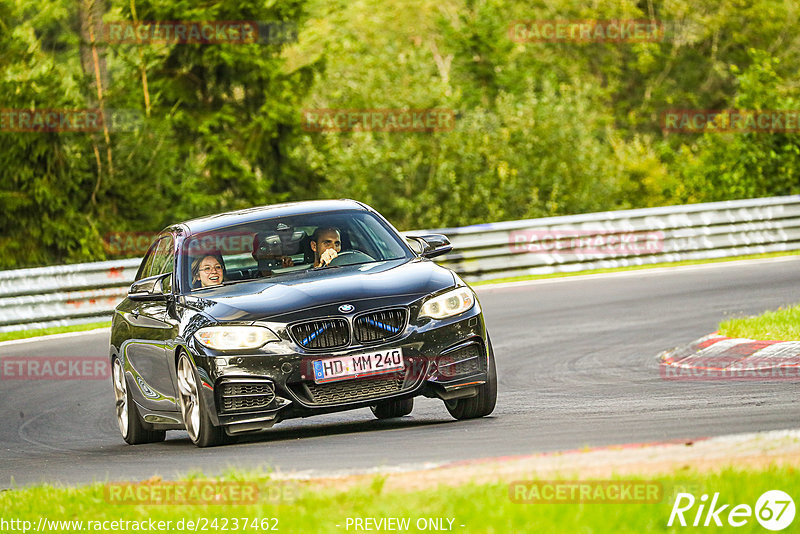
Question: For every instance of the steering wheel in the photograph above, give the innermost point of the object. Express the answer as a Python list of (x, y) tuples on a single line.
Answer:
[(350, 257)]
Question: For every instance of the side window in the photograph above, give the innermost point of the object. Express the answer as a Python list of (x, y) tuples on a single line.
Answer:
[(147, 262), (164, 261), (160, 259)]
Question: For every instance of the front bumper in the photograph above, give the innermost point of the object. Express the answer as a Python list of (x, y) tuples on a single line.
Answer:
[(443, 358)]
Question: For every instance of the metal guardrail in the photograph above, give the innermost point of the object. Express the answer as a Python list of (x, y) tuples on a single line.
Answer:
[(657, 235), (62, 295), (88, 292)]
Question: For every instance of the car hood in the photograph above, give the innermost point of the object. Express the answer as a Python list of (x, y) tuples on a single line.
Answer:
[(290, 294)]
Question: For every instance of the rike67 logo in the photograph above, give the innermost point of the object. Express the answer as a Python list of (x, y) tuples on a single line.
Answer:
[(774, 510)]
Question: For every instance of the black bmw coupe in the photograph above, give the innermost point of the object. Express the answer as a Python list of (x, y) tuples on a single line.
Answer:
[(240, 320)]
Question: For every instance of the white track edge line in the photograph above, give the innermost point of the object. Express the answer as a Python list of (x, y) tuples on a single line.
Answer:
[(51, 337), (635, 272)]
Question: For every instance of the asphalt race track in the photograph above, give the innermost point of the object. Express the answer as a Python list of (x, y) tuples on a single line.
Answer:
[(577, 365)]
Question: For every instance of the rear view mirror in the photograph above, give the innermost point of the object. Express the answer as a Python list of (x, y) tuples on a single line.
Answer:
[(430, 245), (151, 288)]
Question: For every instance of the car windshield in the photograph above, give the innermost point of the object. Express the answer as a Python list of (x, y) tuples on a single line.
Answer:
[(288, 245)]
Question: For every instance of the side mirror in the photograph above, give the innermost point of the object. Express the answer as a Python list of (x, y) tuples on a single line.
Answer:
[(431, 245), (153, 288)]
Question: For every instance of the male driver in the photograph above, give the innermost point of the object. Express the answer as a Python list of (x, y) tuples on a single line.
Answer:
[(326, 244)]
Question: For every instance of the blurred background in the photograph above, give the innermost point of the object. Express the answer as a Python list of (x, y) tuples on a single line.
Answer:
[(542, 128)]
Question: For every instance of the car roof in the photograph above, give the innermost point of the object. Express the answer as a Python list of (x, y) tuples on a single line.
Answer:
[(257, 213)]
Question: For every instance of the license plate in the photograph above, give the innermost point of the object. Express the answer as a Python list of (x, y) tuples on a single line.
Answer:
[(356, 365)]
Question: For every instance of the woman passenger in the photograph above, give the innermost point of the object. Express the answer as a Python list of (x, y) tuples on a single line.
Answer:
[(208, 271)]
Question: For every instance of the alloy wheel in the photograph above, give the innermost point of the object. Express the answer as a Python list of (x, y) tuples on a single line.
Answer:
[(190, 406), (121, 397)]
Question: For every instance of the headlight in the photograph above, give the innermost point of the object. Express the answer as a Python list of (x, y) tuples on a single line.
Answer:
[(448, 304), (234, 337)]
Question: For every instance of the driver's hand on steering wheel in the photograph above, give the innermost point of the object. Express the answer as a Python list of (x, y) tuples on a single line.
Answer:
[(327, 256)]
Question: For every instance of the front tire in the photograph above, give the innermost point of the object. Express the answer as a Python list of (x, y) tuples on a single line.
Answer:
[(392, 408), (484, 402), (198, 424), (131, 426)]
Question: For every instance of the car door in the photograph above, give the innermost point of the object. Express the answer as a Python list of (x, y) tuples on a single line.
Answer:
[(145, 351)]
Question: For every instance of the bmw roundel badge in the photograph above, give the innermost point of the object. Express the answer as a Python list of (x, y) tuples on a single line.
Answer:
[(346, 308)]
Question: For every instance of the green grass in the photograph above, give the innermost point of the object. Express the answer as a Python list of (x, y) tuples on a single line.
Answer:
[(635, 267), (479, 507), (22, 334), (781, 324)]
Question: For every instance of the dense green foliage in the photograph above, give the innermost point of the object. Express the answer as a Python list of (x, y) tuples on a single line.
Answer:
[(541, 128)]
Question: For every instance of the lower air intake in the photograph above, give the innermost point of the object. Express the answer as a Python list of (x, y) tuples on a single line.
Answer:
[(354, 390), (245, 396), (464, 360)]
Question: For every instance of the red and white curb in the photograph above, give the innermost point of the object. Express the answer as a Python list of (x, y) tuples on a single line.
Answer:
[(720, 357)]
